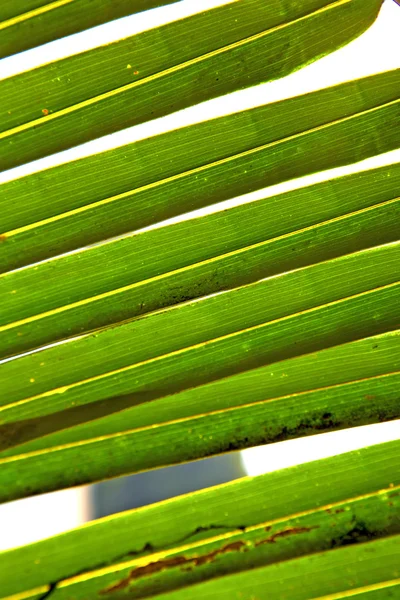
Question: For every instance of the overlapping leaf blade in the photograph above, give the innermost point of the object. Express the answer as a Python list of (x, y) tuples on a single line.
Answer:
[(250, 316), (279, 500), (341, 571)]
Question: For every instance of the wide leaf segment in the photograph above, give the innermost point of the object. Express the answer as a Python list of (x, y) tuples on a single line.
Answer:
[(269, 321)]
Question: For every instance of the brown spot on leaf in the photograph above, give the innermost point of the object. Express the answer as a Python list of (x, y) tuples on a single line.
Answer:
[(285, 533), (45, 111), (370, 397), (3, 237)]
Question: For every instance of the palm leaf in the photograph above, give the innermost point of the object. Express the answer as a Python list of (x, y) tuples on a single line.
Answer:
[(265, 322)]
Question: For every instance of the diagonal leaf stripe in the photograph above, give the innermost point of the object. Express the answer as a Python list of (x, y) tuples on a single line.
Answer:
[(228, 509), (140, 275), (28, 23), (356, 520), (169, 68), (364, 359), (293, 138)]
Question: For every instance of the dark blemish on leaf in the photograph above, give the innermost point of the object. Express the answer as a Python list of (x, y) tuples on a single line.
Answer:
[(285, 533), (50, 591), (3, 237), (359, 533), (160, 565), (369, 397), (375, 346), (45, 111), (136, 72)]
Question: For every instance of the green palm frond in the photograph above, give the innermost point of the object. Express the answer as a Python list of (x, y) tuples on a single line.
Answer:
[(272, 320)]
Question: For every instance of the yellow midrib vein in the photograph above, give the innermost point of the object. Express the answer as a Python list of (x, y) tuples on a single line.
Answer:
[(382, 585), (37, 12)]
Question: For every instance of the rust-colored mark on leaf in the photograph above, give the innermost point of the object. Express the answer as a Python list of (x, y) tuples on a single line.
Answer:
[(331, 511), (45, 111), (370, 397), (136, 72), (149, 569), (160, 565), (285, 533), (3, 237)]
